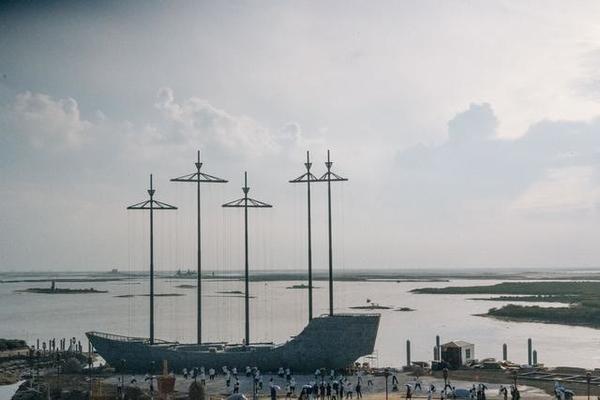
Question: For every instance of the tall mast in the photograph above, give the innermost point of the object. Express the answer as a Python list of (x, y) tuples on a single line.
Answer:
[(308, 177), (245, 203), (151, 205), (198, 178), (330, 177)]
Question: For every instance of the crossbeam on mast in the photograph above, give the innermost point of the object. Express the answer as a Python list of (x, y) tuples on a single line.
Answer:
[(198, 178), (330, 177), (307, 178), (151, 205), (246, 203)]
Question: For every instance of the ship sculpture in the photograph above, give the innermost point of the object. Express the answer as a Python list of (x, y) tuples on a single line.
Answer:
[(332, 341)]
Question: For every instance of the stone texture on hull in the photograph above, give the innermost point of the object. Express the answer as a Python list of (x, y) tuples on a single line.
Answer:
[(327, 341)]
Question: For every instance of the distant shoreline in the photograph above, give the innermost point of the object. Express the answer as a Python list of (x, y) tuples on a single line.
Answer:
[(582, 298), (348, 275)]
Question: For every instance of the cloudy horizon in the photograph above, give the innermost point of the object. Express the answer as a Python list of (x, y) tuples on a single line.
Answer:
[(470, 132)]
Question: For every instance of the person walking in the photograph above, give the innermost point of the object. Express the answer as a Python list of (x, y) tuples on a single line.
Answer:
[(503, 392), (335, 390), (349, 390), (409, 391), (394, 383), (417, 382), (273, 391), (293, 385)]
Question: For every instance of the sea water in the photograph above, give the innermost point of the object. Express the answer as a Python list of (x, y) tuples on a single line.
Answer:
[(277, 313)]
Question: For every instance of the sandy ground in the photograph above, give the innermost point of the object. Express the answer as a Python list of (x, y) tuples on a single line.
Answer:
[(218, 389)]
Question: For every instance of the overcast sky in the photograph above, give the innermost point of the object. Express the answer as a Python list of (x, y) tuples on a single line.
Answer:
[(470, 131)]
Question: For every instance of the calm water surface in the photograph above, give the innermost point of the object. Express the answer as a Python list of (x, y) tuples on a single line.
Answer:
[(277, 313)]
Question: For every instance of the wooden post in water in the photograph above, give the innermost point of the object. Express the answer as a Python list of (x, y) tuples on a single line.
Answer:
[(408, 362), (504, 352), (529, 351)]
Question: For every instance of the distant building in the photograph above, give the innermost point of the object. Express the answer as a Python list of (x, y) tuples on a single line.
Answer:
[(458, 353)]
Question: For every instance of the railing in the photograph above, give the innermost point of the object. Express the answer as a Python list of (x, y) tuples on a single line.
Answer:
[(121, 338)]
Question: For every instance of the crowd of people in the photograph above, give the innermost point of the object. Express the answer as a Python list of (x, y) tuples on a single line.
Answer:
[(332, 385)]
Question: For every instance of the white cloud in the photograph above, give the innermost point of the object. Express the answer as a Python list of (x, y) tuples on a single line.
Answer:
[(45, 122), (550, 169), (196, 121), (478, 122)]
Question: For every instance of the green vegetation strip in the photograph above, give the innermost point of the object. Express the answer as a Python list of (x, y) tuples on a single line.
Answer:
[(583, 297)]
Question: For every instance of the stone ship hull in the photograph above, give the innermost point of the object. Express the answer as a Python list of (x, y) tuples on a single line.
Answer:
[(326, 342)]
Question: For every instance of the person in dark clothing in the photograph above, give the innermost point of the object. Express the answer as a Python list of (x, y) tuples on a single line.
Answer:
[(394, 383), (482, 389), (273, 392), (328, 391), (358, 391), (503, 392), (409, 392)]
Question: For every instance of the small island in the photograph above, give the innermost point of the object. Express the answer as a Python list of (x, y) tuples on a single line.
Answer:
[(371, 306), (185, 286), (404, 309), (300, 286), (148, 295), (54, 290)]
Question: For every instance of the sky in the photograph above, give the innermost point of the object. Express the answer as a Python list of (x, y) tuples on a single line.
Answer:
[(469, 131)]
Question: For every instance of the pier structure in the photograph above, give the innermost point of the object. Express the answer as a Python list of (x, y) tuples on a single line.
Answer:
[(151, 205), (199, 178), (246, 203)]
